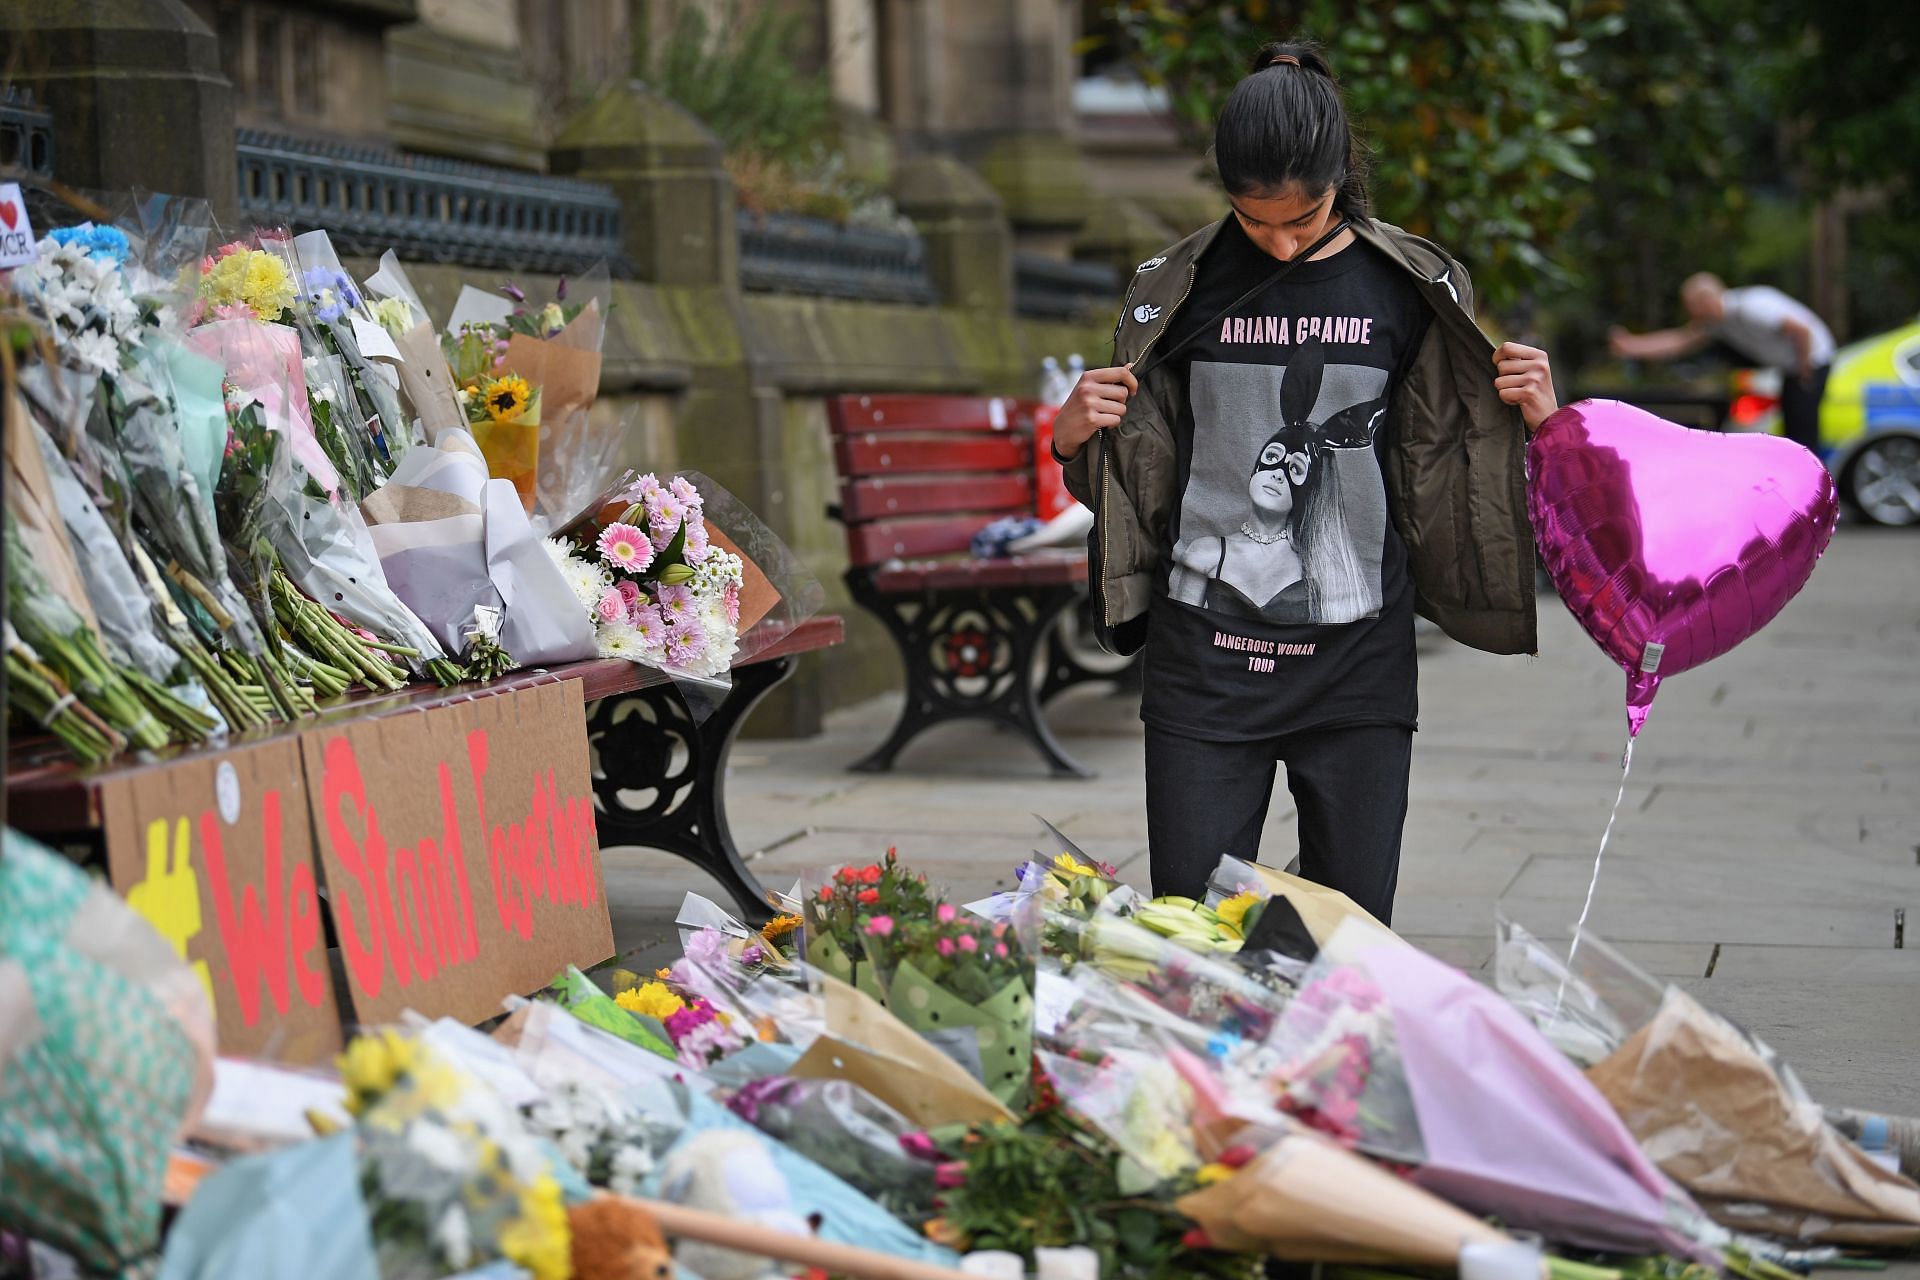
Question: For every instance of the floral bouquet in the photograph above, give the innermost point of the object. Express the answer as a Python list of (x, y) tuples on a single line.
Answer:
[(451, 1177), (339, 323), (1338, 1068), (607, 1142), (701, 1033), (659, 593), (837, 905), (849, 1132), (721, 954), (964, 983), (416, 357), (78, 285), (526, 373)]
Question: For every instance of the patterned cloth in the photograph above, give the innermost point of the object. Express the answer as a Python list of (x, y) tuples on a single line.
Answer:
[(991, 542), (106, 1051)]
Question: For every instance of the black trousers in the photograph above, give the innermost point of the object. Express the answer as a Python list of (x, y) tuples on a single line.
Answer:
[(1207, 798), (1800, 406)]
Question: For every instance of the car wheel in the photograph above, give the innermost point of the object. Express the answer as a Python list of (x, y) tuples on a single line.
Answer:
[(1884, 481)]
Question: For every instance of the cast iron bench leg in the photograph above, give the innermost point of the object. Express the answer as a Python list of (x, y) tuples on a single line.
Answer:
[(1063, 667), (659, 780), (969, 656)]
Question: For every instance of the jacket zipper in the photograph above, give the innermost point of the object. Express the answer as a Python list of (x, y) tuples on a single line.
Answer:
[(1106, 462)]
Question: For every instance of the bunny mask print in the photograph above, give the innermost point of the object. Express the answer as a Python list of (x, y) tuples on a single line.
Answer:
[(1287, 577)]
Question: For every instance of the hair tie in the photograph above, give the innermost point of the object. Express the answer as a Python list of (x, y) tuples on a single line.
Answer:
[(1286, 58)]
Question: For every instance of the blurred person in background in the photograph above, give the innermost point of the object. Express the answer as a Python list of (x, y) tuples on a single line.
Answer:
[(1760, 324), (1302, 435)]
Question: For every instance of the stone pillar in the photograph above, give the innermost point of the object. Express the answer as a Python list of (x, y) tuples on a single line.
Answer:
[(969, 247), (1121, 234), (677, 202), (137, 94)]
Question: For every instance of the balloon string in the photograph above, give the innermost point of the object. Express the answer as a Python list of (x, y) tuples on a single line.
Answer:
[(1626, 767)]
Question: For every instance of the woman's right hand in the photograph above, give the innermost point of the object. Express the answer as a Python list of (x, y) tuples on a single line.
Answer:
[(1098, 401)]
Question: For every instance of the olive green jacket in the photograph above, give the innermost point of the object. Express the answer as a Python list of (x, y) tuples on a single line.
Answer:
[(1455, 462)]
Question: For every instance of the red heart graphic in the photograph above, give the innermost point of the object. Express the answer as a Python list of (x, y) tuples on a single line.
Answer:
[(9, 214)]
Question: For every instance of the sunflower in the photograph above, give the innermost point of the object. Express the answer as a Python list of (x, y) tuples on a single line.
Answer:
[(779, 927), (508, 397)]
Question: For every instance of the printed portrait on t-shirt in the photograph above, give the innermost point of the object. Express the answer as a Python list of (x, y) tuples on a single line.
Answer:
[(1284, 513)]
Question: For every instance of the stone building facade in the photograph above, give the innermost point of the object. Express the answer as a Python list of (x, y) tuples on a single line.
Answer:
[(975, 114)]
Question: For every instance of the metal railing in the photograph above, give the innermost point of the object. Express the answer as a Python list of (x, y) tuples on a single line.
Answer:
[(425, 208), (1047, 288), (784, 253), (26, 134)]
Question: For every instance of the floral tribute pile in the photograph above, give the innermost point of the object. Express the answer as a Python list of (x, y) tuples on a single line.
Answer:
[(244, 479)]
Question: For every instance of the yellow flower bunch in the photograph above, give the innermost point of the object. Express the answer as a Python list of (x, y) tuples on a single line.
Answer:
[(1067, 864), (372, 1065), (1233, 911), (1208, 1174), (252, 278), (539, 1240), (652, 1000)]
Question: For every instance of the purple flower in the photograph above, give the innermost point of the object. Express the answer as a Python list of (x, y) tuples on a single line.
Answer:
[(707, 948), (697, 546), (683, 489), (751, 1097), (676, 603), (919, 1146), (686, 642), (514, 291)]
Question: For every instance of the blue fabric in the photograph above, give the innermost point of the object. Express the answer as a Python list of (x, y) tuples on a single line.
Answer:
[(991, 542), (295, 1214)]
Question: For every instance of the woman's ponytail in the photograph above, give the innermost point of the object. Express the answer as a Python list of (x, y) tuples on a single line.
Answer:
[(1286, 125)]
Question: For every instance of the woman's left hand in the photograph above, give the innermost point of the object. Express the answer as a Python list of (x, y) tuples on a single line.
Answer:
[(1525, 379)]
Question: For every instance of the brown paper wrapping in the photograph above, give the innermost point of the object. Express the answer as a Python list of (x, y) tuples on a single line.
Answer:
[(568, 378), (1321, 909), (870, 1047), (37, 513), (1715, 1117), (428, 382), (1307, 1200)]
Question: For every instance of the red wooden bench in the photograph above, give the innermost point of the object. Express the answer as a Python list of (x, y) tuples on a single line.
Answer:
[(919, 476)]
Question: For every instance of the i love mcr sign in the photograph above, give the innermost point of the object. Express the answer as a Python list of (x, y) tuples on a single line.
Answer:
[(452, 850)]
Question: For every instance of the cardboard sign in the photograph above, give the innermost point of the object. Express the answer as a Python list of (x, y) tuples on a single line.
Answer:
[(217, 854), (16, 229), (459, 851)]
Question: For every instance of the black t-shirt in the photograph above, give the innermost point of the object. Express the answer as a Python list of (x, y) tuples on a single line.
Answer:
[(1287, 606)]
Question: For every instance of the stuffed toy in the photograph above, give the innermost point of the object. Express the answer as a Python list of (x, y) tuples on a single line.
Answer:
[(730, 1173), (615, 1239)]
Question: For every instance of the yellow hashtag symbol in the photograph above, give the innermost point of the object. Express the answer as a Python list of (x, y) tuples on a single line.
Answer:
[(169, 898)]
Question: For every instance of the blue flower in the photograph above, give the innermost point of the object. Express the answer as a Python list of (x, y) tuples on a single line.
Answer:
[(330, 292), (99, 242)]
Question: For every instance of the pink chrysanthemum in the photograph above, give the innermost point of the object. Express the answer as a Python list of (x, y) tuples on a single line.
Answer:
[(730, 598), (676, 603), (697, 546), (686, 642), (683, 489), (625, 547)]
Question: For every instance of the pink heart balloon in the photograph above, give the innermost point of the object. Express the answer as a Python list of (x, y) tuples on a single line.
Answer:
[(1669, 545)]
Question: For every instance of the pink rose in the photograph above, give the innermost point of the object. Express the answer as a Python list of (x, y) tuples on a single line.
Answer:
[(969, 943), (880, 926), (944, 946), (612, 606), (945, 913)]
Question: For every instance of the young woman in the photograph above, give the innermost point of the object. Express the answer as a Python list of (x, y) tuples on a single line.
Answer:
[(1304, 438)]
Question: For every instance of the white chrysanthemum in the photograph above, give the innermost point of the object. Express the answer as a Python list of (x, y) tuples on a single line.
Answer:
[(94, 350), (586, 580), (619, 640)]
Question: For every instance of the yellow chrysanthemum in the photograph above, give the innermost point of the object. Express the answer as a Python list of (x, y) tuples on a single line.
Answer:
[(1233, 911), (538, 1240), (652, 1001), (253, 278), (1208, 1174), (663, 974), (372, 1065), (779, 927), (507, 398)]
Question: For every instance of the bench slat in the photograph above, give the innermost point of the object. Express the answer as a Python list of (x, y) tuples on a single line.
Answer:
[(883, 540), (869, 454), (848, 415), (885, 499), (1038, 570)]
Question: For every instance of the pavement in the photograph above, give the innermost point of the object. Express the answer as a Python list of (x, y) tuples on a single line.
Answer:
[(1766, 856)]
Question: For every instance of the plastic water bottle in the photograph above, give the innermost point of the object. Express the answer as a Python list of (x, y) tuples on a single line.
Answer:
[(1053, 382), (1075, 367)]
